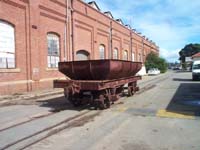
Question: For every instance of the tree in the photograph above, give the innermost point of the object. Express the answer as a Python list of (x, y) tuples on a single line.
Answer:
[(188, 51), (154, 61)]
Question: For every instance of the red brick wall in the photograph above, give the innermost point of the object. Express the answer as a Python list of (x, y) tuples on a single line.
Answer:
[(32, 21), (15, 13)]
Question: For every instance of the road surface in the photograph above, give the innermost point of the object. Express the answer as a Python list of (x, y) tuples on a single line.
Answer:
[(163, 115)]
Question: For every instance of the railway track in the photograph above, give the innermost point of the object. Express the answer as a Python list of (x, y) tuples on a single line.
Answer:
[(74, 121), (155, 80), (151, 84), (35, 117), (26, 121)]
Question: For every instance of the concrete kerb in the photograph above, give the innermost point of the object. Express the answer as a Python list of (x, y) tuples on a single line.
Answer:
[(31, 95)]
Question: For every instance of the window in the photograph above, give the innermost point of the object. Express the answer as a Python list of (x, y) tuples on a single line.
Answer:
[(140, 55), (7, 45), (82, 55), (133, 56), (125, 56), (102, 52), (53, 50), (115, 53), (140, 58)]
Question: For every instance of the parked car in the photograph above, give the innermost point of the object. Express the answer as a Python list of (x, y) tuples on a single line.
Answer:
[(153, 71), (176, 68), (196, 70)]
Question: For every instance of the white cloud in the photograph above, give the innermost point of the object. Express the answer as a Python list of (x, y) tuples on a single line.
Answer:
[(163, 33), (170, 55), (170, 23)]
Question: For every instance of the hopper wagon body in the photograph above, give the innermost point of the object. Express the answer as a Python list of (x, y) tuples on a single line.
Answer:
[(98, 82)]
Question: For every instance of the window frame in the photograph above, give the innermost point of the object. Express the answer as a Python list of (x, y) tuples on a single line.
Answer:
[(133, 56), (50, 64), (83, 52), (117, 50), (140, 57), (14, 54), (104, 54), (125, 52)]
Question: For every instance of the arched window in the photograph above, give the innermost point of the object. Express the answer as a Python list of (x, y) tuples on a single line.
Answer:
[(82, 55), (53, 42), (125, 56), (115, 53), (102, 51), (133, 56), (7, 45), (139, 57)]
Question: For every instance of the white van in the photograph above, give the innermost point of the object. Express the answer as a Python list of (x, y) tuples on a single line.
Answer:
[(196, 70)]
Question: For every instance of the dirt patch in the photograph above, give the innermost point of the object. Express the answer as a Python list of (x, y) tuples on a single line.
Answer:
[(19, 102), (146, 88), (32, 100), (84, 120), (135, 146), (120, 103)]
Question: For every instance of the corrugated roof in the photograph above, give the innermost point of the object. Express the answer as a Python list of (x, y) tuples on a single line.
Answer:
[(94, 4), (108, 13)]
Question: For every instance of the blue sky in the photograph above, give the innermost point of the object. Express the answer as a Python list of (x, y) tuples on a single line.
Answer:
[(170, 23)]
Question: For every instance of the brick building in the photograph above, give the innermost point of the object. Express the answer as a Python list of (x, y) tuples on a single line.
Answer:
[(36, 34)]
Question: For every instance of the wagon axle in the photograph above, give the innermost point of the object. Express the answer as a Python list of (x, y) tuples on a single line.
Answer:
[(100, 95)]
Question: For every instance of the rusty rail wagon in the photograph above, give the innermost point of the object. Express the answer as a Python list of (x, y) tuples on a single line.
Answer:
[(98, 82)]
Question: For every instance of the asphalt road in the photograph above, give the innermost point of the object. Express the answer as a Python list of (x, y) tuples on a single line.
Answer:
[(163, 115)]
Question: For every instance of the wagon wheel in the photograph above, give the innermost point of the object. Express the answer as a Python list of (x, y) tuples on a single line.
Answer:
[(102, 103), (66, 93), (76, 103), (133, 91), (96, 105), (130, 91), (134, 85), (75, 100), (107, 102)]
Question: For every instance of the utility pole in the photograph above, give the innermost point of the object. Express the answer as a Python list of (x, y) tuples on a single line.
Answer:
[(110, 51), (72, 29), (131, 55), (131, 45), (143, 49), (65, 30)]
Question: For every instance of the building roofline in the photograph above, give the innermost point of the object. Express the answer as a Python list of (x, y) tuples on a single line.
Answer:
[(93, 2), (115, 20), (109, 13)]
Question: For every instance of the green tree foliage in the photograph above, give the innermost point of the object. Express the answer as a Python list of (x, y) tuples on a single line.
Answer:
[(188, 51), (154, 61)]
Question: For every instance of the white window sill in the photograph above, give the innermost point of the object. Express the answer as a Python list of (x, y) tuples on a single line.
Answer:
[(51, 69), (14, 70)]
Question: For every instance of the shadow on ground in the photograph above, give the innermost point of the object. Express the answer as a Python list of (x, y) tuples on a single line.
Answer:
[(180, 79), (182, 71), (60, 104), (186, 99)]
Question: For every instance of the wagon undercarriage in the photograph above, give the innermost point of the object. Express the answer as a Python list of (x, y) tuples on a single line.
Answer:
[(100, 94)]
